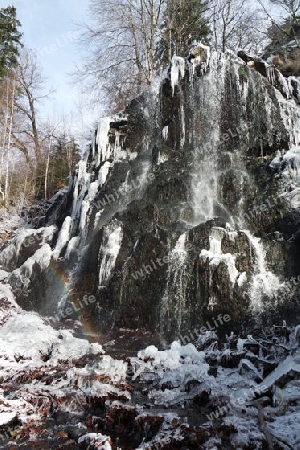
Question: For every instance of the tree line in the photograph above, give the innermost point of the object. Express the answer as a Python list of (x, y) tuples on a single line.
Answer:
[(128, 42), (36, 155)]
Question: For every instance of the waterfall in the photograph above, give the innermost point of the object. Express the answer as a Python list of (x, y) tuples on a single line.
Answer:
[(264, 283), (183, 164), (204, 177), (173, 301), (109, 250), (215, 254)]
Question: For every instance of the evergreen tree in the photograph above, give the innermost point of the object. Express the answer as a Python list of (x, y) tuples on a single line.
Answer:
[(64, 156), (9, 39), (183, 23)]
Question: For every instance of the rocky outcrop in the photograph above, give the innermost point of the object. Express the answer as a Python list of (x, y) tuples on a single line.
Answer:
[(181, 212), (284, 52)]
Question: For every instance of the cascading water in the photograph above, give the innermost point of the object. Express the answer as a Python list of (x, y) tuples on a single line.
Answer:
[(215, 254), (174, 297), (109, 250), (204, 174), (264, 283), (183, 163)]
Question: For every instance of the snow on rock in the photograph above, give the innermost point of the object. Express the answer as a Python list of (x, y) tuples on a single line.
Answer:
[(6, 417), (10, 221), (288, 165), (115, 369), (200, 56), (216, 256), (176, 366), (97, 440), (42, 257), (291, 363), (8, 304), (3, 275), (26, 341), (287, 429), (169, 433), (25, 238), (203, 340), (43, 370)]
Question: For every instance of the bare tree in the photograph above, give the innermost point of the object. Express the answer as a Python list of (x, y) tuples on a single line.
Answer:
[(8, 104), (291, 7), (26, 135), (121, 37), (288, 24), (236, 24), (50, 128)]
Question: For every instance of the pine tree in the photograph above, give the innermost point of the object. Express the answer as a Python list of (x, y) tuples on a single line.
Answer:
[(183, 23), (9, 39), (64, 156)]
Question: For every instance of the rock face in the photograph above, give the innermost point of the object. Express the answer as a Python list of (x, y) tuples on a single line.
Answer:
[(284, 51), (186, 208)]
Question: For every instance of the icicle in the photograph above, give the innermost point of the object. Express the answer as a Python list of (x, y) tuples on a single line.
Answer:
[(102, 139), (103, 172), (271, 74), (109, 250), (165, 133), (177, 69), (182, 118), (72, 245), (81, 187), (63, 238)]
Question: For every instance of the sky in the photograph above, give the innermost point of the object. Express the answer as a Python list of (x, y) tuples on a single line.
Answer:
[(49, 27)]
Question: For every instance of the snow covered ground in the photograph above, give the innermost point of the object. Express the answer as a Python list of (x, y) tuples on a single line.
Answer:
[(58, 388)]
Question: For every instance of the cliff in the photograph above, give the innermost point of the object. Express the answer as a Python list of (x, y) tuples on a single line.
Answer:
[(185, 208)]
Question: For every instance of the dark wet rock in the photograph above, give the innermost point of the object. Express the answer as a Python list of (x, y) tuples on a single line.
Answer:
[(231, 360), (205, 186)]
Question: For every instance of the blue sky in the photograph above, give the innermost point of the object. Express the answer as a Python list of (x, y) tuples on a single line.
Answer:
[(49, 27)]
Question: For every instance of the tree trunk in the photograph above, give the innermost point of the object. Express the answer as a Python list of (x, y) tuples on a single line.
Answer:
[(12, 104), (47, 166)]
